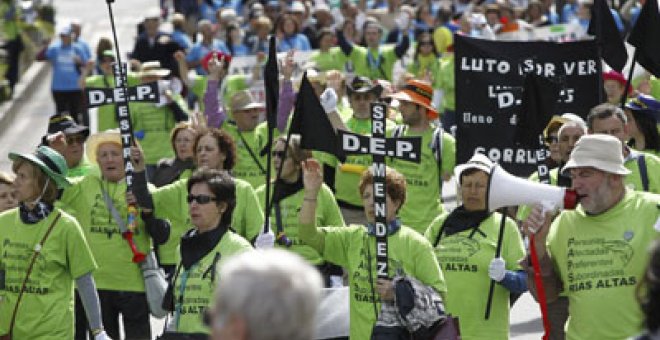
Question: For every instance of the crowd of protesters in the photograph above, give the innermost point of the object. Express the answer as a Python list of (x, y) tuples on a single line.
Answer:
[(200, 191)]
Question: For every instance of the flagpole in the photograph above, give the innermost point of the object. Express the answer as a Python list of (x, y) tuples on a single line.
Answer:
[(269, 124), (624, 96), (132, 213), (498, 252)]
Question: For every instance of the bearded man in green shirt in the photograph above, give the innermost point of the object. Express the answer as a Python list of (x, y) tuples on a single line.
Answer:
[(597, 253), (424, 179)]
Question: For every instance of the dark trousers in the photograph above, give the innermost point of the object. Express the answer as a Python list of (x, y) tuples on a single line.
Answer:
[(13, 48), (134, 311), (71, 102)]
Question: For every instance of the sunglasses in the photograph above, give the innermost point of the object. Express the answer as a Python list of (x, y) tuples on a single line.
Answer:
[(75, 139), (200, 199), (551, 139), (278, 154)]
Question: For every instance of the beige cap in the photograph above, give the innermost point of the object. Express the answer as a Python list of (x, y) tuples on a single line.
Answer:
[(243, 100), (599, 151)]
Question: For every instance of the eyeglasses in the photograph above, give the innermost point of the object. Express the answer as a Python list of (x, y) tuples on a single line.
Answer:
[(75, 139), (200, 199), (278, 154), (428, 43), (551, 139)]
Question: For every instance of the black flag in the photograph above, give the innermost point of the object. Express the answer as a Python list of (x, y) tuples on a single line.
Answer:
[(537, 107), (272, 84), (645, 37), (609, 39), (311, 122)]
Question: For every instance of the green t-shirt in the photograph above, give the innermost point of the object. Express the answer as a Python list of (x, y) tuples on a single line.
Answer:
[(352, 248), (464, 259), (198, 88), (170, 203), (156, 123), (82, 169), (381, 65), (446, 82), (600, 260), (327, 213), (425, 66), (525, 210), (334, 59), (423, 193), (634, 179), (46, 308), (11, 23), (194, 287), (84, 200), (246, 167), (230, 85), (347, 174), (107, 117), (655, 87)]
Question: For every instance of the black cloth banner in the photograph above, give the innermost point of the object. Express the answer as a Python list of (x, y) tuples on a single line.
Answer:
[(489, 80)]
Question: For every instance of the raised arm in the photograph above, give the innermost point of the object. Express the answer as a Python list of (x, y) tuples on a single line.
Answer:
[(287, 97), (312, 180), (215, 115)]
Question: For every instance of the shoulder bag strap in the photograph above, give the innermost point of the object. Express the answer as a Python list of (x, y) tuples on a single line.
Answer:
[(113, 211), (437, 152), (643, 173), (37, 251), (254, 157)]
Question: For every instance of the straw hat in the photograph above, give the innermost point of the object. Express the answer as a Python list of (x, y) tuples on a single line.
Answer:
[(49, 161), (153, 69), (420, 93), (558, 121), (243, 100), (108, 136), (598, 151)]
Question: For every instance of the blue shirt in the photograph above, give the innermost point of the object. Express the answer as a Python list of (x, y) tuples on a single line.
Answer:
[(65, 70), (240, 50), (84, 47), (182, 39), (298, 41), (199, 51)]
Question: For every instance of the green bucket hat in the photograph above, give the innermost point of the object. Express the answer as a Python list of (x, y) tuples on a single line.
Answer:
[(49, 161)]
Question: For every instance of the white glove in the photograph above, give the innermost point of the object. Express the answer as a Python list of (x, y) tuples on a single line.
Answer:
[(265, 241), (329, 100), (102, 336), (497, 269)]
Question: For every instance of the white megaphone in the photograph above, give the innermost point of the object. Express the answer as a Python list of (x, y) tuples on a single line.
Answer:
[(507, 190)]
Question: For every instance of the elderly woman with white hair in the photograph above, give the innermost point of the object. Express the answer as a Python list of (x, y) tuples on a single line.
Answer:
[(271, 294), (99, 201)]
